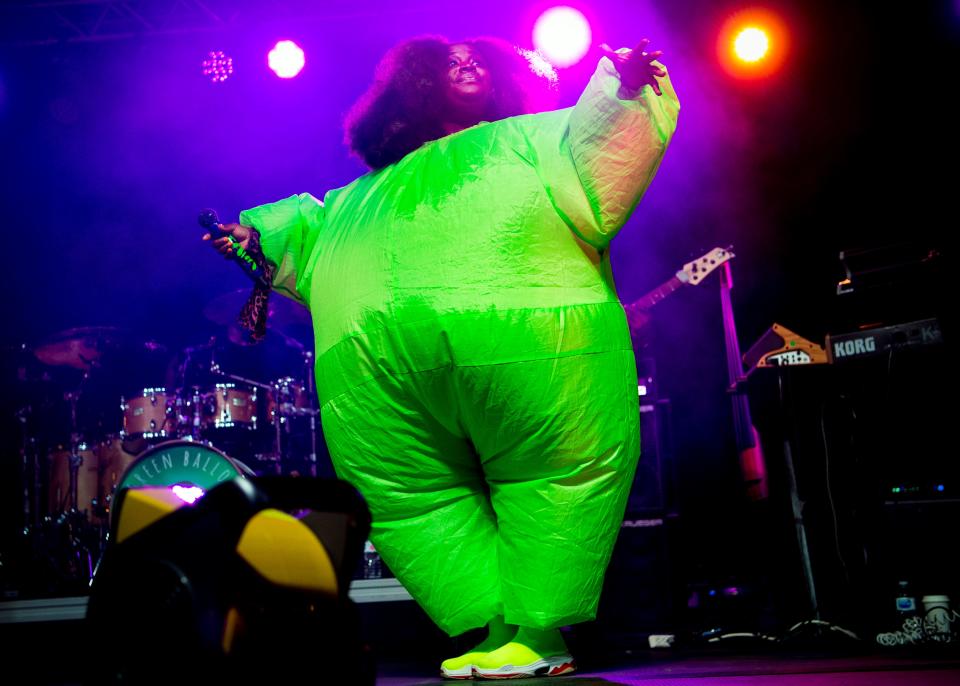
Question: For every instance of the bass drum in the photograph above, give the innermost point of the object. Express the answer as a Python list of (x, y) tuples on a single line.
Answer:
[(114, 459), (181, 463)]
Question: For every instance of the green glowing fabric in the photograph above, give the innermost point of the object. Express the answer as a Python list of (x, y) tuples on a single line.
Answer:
[(474, 366)]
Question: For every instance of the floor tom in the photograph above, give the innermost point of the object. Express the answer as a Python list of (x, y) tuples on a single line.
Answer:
[(88, 480)]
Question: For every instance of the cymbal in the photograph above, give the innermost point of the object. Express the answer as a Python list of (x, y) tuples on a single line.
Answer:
[(83, 347), (79, 348), (281, 311)]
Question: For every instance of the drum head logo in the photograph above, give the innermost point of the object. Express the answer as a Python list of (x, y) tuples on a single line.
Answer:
[(180, 463)]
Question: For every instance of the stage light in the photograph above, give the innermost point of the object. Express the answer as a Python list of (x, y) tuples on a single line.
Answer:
[(753, 43), (257, 568), (218, 66), (562, 35), (286, 59)]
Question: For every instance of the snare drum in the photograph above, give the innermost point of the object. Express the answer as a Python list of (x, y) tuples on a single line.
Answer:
[(151, 415), (288, 398), (230, 406), (88, 479)]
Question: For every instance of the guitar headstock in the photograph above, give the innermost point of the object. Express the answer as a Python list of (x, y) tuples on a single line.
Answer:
[(696, 271)]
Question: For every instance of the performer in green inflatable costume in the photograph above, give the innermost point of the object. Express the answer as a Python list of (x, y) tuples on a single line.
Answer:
[(474, 367)]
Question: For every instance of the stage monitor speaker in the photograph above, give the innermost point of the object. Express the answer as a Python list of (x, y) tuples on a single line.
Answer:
[(653, 484)]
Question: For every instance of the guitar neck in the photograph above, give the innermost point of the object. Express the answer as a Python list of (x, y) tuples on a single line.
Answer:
[(656, 295)]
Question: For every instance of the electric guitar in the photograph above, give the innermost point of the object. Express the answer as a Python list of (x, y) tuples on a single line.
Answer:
[(691, 274)]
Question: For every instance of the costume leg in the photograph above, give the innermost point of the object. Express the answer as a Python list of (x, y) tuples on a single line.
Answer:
[(559, 443), (432, 520)]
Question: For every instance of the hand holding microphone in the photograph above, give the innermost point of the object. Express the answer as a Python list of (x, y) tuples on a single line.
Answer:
[(231, 241)]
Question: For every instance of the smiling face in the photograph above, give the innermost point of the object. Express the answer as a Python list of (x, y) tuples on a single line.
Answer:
[(468, 82)]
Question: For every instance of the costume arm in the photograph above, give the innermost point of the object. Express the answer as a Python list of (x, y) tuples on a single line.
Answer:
[(288, 231), (616, 139)]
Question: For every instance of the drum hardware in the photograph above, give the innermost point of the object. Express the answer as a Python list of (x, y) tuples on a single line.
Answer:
[(74, 480), (190, 413), (69, 538), (230, 405), (61, 423), (75, 459), (311, 392), (30, 468), (113, 461)]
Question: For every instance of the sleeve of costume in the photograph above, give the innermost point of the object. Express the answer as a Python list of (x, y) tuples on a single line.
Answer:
[(288, 231), (615, 139)]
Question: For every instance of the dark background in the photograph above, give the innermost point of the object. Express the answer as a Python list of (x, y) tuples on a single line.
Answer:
[(112, 140)]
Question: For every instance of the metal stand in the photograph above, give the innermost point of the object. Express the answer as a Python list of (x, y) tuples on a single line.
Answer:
[(29, 469), (313, 412), (796, 506), (76, 459)]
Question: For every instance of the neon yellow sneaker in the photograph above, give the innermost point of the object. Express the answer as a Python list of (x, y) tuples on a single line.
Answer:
[(517, 661), (460, 667)]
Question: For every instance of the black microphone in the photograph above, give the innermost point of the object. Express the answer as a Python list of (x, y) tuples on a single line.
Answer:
[(208, 220)]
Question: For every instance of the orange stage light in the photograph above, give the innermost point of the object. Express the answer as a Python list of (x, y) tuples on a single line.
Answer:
[(753, 43)]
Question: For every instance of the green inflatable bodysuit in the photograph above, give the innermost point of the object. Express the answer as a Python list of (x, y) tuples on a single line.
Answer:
[(474, 367)]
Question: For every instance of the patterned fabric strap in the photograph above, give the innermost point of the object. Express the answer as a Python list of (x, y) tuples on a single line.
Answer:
[(253, 315)]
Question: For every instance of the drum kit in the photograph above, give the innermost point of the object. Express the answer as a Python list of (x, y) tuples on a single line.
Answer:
[(102, 401)]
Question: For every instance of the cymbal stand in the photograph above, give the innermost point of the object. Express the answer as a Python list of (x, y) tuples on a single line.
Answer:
[(30, 468), (81, 548), (215, 369), (76, 459), (195, 416), (311, 391), (269, 388), (277, 427)]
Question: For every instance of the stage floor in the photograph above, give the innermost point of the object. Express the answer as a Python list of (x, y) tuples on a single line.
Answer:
[(42, 642), (728, 668)]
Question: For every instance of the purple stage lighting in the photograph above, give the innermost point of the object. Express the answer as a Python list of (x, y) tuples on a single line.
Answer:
[(286, 59), (562, 35), (218, 66)]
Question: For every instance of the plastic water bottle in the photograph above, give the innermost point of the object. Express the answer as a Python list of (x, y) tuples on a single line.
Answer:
[(372, 567), (906, 601)]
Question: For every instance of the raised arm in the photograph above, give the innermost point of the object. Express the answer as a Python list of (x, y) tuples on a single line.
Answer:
[(615, 137), (619, 132), (288, 231)]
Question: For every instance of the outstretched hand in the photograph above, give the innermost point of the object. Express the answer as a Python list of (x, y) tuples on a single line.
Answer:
[(636, 66)]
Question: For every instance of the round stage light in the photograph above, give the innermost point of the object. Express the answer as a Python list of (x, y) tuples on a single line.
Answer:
[(286, 59), (753, 43), (562, 35), (218, 67)]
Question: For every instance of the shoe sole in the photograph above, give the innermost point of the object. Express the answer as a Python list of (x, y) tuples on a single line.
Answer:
[(551, 666), (462, 673)]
